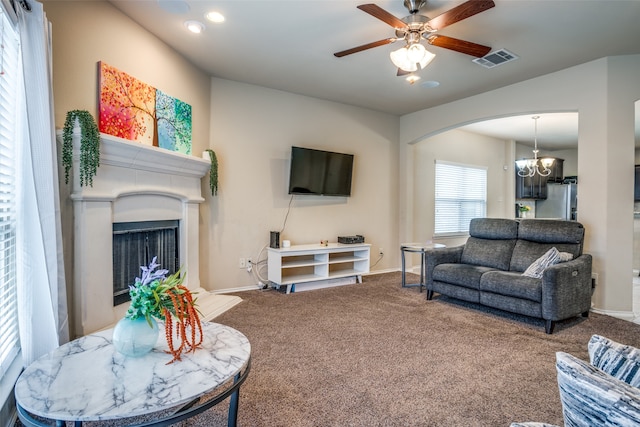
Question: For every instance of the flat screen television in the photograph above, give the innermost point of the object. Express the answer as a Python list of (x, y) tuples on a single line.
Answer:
[(318, 172)]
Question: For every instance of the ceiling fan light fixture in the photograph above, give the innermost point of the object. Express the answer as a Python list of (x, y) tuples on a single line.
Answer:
[(400, 60), (416, 52), (406, 58), (415, 27), (412, 78), (426, 59)]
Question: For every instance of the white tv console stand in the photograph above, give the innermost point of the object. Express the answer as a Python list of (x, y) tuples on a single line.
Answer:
[(317, 263)]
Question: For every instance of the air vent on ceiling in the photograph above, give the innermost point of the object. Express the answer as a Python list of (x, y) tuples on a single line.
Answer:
[(493, 59)]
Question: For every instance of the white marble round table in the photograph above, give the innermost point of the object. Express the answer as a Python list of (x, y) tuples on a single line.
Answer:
[(88, 380)]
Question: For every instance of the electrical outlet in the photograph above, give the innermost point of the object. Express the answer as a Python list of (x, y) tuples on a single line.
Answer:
[(242, 263), (249, 265), (381, 251)]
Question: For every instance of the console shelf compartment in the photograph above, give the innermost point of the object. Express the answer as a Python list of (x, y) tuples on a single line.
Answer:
[(316, 263)]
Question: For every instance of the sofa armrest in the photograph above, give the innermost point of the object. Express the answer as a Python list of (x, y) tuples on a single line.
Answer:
[(566, 289), (440, 256)]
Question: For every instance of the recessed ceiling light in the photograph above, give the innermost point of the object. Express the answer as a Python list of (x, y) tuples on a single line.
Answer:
[(214, 16), (194, 26), (430, 83)]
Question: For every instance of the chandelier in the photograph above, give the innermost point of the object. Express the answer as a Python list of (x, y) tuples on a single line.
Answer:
[(530, 167)]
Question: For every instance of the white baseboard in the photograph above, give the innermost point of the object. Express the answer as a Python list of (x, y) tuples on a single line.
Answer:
[(386, 270), (233, 290), (624, 315)]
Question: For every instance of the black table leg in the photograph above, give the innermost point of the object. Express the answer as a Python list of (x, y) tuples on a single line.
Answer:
[(233, 405), (404, 279), (423, 278)]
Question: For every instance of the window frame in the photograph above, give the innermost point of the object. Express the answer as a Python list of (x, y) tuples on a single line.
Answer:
[(11, 365)]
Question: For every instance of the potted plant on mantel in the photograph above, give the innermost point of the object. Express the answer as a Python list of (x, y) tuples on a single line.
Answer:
[(213, 172), (89, 146)]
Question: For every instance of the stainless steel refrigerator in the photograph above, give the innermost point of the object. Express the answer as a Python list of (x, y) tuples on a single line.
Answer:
[(561, 202)]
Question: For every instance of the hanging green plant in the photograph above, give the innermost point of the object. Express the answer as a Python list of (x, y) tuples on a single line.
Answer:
[(213, 172), (89, 146)]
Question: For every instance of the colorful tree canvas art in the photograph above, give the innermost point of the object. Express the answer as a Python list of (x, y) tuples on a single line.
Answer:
[(136, 111), (174, 123)]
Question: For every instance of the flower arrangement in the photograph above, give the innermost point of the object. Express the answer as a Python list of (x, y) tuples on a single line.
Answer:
[(165, 298), (524, 208)]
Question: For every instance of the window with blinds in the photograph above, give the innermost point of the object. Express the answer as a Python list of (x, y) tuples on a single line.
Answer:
[(9, 78), (461, 194)]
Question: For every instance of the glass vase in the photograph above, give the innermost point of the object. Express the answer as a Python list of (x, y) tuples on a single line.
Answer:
[(134, 337)]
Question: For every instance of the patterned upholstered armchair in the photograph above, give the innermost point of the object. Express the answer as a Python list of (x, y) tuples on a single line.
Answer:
[(601, 393)]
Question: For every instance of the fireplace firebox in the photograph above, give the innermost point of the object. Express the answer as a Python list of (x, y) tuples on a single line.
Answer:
[(135, 244)]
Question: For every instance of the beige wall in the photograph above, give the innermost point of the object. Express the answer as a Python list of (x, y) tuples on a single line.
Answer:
[(459, 147), (87, 32), (603, 92), (252, 131)]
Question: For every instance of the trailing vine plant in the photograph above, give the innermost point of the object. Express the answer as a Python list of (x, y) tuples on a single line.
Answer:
[(89, 146), (213, 172)]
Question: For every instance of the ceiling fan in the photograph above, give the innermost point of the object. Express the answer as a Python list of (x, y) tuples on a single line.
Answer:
[(415, 27)]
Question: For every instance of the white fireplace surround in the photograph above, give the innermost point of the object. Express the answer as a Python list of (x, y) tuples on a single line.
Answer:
[(134, 182)]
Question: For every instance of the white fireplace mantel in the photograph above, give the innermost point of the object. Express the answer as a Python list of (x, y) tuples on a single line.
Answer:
[(134, 182), (124, 153)]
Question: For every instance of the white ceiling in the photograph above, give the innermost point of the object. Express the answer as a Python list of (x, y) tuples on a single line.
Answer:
[(556, 131), (289, 45)]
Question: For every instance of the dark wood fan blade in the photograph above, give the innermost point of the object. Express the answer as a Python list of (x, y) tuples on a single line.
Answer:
[(364, 47), (458, 45), (459, 13), (378, 12), (402, 72)]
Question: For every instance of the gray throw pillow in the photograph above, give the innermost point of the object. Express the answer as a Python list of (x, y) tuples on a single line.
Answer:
[(551, 257), (618, 360), (565, 256), (591, 397)]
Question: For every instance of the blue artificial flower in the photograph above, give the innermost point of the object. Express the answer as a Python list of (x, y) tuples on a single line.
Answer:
[(148, 275)]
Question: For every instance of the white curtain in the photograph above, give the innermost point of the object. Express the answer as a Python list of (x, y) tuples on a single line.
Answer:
[(42, 301)]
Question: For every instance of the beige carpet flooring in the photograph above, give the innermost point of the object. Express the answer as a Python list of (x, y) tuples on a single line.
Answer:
[(375, 354)]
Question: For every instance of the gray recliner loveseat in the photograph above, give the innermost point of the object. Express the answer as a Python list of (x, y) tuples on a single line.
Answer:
[(488, 269)]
